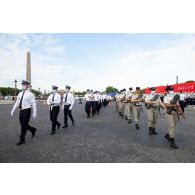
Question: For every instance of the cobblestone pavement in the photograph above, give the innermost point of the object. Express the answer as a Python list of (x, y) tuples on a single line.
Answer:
[(104, 138)]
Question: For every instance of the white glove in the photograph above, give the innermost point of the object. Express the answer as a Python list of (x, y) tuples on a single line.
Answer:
[(12, 113), (34, 115), (70, 108), (63, 107)]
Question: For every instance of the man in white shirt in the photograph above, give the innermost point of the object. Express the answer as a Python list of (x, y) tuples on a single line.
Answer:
[(54, 101), (67, 105), (182, 100), (24, 102), (88, 105), (97, 99), (93, 108)]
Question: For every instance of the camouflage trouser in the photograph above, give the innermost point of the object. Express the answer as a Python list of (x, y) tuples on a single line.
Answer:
[(152, 117), (128, 110), (172, 122)]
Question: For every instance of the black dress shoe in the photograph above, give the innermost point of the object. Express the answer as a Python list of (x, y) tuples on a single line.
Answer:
[(153, 131), (150, 130), (129, 121), (52, 133), (137, 126), (73, 123), (34, 131), (173, 144), (58, 125), (20, 142), (167, 137), (65, 126)]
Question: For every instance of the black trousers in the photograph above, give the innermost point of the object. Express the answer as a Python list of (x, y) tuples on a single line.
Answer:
[(98, 106), (67, 113), (105, 102), (181, 103), (88, 108), (93, 107), (54, 117), (24, 118)]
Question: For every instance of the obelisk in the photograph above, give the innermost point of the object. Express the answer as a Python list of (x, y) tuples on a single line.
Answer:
[(28, 67)]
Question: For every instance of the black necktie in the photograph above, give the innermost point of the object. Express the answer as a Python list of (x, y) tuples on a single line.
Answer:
[(66, 97), (20, 105), (53, 97)]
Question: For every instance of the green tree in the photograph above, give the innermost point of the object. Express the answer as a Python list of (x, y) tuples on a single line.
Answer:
[(111, 89)]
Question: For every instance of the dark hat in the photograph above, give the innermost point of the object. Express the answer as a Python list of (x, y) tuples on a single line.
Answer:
[(152, 88), (124, 89), (137, 88), (87, 89), (54, 87), (25, 82), (169, 88), (67, 87), (130, 88)]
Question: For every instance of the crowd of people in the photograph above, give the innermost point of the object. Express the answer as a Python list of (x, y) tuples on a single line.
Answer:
[(129, 106), (26, 103), (128, 103), (94, 102)]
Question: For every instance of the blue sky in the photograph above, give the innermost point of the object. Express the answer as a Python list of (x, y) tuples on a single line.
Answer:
[(98, 60)]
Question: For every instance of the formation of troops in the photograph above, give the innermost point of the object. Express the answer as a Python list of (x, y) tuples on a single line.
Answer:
[(94, 102), (129, 105)]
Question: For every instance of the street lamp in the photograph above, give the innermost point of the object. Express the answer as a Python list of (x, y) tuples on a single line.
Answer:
[(15, 83), (39, 94)]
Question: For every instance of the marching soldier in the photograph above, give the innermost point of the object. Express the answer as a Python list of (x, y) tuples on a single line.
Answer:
[(116, 100), (129, 105), (171, 115), (54, 101), (137, 100), (67, 105), (152, 102), (24, 102), (121, 102), (97, 99), (93, 106), (88, 105)]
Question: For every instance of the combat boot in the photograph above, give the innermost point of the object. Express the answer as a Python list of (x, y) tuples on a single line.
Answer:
[(153, 131), (150, 130), (173, 144)]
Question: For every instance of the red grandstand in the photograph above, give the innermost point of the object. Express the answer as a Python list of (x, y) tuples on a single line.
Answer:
[(185, 87)]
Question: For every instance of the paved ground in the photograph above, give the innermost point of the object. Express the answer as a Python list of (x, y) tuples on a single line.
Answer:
[(104, 138)]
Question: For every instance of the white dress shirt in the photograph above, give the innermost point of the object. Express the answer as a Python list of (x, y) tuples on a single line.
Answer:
[(28, 101), (56, 101), (182, 97), (97, 97), (88, 97), (69, 101)]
